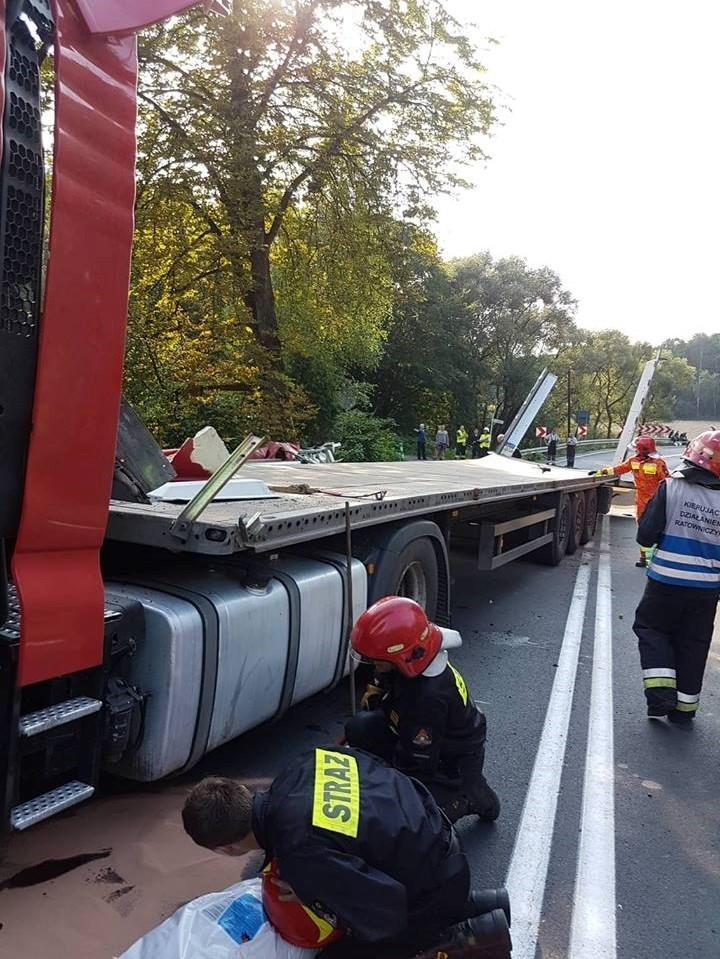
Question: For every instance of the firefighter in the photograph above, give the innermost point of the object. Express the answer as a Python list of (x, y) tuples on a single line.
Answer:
[(417, 712), (674, 621), (361, 848), (648, 471)]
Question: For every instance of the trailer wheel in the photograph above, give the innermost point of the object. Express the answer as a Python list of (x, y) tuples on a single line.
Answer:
[(552, 553), (414, 573), (577, 523), (591, 515)]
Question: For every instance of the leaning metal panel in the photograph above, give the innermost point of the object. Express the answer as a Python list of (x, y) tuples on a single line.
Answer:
[(22, 176)]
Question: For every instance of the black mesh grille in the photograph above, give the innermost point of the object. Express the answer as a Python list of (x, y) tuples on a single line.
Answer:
[(29, 31)]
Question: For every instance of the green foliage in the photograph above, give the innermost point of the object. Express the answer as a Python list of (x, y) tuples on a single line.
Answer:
[(366, 438), (280, 150)]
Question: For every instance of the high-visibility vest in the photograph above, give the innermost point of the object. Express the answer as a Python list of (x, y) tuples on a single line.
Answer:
[(484, 441), (461, 436), (688, 553)]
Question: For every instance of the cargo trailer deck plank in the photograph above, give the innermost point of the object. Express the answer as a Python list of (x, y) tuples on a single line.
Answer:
[(311, 501)]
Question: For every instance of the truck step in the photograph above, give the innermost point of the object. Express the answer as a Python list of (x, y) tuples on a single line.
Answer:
[(49, 804), (43, 719)]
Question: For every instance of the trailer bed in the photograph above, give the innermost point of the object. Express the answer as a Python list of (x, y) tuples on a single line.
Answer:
[(311, 501)]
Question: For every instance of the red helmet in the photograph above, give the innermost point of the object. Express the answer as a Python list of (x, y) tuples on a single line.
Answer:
[(704, 451), (396, 630), (297, 924), (645, 445)]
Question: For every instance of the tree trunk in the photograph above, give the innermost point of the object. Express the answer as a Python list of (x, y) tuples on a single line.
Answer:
[(260, 300)]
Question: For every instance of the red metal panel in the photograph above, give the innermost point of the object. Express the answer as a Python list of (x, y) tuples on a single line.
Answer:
[(129, 16), (3, 53), (82, 334)]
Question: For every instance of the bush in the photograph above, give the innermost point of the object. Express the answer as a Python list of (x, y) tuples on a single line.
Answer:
[(366, 438)]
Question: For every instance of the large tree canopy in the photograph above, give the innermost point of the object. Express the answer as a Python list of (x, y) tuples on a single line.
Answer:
[(370, 102)]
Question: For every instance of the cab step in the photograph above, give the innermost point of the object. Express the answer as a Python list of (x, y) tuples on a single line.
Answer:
[(49, 804), (32, 724)]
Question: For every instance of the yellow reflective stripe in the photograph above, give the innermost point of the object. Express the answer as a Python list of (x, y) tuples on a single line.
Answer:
[(336, 796), (460, 683), (660, 681), (324, 928), (687, 707), (649, 468)]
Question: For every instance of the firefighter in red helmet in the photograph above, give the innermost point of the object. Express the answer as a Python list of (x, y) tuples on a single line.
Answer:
[(417, 712), (648, 471), (674, 621)]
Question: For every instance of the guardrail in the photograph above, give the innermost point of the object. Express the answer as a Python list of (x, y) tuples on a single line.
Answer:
[(601, 444)]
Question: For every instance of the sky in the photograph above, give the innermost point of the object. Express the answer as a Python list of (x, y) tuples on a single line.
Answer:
[(607, 166)]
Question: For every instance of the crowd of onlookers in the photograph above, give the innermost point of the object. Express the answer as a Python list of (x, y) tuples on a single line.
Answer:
[(477, 442)]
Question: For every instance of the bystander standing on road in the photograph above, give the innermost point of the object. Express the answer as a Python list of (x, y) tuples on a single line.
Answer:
[(475, 443), (571, 449), (421, 434), (442, 441), (552, 441)]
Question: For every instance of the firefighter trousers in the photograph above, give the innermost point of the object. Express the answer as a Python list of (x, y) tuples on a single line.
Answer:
[(428, 919), (674, 627), (458, 786)]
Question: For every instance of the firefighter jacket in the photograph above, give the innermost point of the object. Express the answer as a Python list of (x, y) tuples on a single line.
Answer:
[(484, 441), (683, 518), (648, 472), (361, 844), (432, 715)]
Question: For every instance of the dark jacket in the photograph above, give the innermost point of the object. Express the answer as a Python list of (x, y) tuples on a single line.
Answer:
[(433, 716), (360, 843)]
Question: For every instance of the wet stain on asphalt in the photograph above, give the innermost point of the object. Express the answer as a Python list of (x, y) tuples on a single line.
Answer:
[(118, 893), (50, 869)]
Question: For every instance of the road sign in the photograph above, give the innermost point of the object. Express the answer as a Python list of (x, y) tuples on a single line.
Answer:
[(582, 417), (654, 429), (541, 431), (582, 431)]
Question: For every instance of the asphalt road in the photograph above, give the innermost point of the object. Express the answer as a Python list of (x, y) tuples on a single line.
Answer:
[(610, 828)]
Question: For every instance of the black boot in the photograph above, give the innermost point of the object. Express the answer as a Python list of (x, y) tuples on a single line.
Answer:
[(484, 804), (483, 937), (481, 901)]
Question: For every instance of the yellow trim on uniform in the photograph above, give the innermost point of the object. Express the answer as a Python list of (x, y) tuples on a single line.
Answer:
[(336, 797), (460, 683), (649, 468), (324, 928), (660, 682)]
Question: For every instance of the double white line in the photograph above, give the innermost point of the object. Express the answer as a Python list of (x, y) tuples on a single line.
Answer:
[(593, 927)]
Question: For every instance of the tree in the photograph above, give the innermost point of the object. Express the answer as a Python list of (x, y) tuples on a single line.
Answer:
[(257, 112), (426, 371), (520, 317)]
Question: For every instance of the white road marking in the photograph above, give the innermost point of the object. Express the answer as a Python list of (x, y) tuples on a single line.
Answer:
[(593, 932), (529, 864)]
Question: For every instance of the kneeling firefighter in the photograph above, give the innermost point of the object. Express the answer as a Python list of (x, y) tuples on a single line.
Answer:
[(417, 713), (362, 862)]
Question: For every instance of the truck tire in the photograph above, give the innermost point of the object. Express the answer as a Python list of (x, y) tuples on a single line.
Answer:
[(408, 559), (591, 515), (605, 495), (416, 575), (577, 523), (552, 553)]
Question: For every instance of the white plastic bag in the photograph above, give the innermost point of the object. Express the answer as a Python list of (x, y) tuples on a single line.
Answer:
[(222, 925)]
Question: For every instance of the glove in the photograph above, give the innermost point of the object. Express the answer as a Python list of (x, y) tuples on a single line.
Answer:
[(371, 697)]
